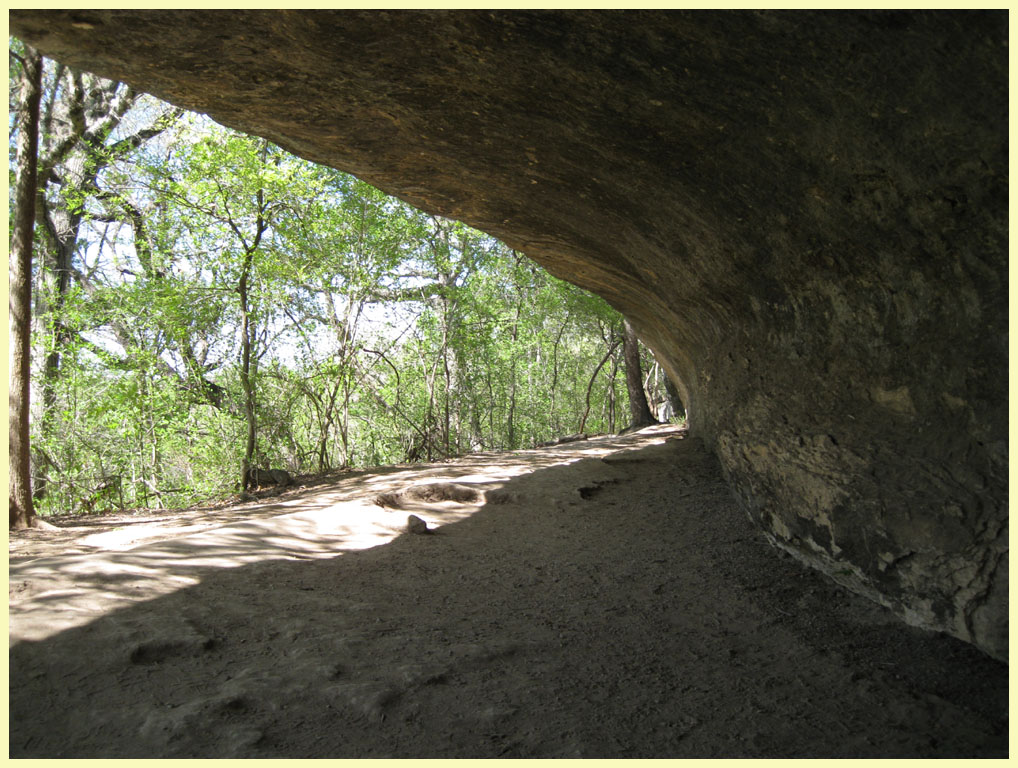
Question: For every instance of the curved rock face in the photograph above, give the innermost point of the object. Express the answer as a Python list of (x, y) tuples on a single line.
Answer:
[(804, 215)]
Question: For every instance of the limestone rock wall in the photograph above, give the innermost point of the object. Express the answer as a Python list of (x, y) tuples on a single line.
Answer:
[(803, 214)]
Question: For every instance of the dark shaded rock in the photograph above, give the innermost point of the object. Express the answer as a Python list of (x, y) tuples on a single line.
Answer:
[(429, 493), (260, 477), (804, 215), (575, 438), (433, 492)]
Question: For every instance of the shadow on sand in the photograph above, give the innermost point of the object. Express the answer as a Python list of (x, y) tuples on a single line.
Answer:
[(617, 605)]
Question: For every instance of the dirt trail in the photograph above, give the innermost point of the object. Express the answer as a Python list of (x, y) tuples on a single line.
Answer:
[(595, 599)]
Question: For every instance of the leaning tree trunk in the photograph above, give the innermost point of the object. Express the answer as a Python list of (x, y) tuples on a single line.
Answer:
[(639, 410), (678, 409), (590, 385), (22, 510)]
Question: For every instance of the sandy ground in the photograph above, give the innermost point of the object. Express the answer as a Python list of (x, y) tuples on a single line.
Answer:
[(596, 599)]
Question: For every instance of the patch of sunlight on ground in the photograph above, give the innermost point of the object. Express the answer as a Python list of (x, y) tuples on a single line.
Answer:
[(51, 593), (64, 591)]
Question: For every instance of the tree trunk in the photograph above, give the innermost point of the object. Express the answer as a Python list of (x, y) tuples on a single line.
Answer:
[(55, 280), (245, 373), (511, 426), (246, 334), (556, 426), (610, 403), (639, 410), (153, 481), (476, 436), (22, 509), (590, 385), (344, 429), (677, 407), (446, 426)]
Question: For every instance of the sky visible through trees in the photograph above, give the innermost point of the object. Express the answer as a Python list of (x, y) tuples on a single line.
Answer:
[(205, 303)]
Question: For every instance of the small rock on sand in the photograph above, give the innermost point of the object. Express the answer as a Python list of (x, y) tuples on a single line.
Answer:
[(414, 524)]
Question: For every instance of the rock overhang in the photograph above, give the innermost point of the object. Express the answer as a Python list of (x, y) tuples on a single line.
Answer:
[(803, 214)]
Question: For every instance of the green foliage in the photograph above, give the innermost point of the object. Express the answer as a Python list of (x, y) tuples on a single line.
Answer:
[(379, 334)]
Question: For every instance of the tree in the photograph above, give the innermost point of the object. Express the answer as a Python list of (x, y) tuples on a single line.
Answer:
[(22, 509), (639, 410), (243, 204), (83, 135), (209, 302)]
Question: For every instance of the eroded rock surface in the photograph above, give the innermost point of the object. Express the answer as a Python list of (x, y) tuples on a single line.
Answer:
[(803, 214)]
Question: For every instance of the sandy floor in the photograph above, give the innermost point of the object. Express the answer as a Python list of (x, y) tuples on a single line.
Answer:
[(595, 599)]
